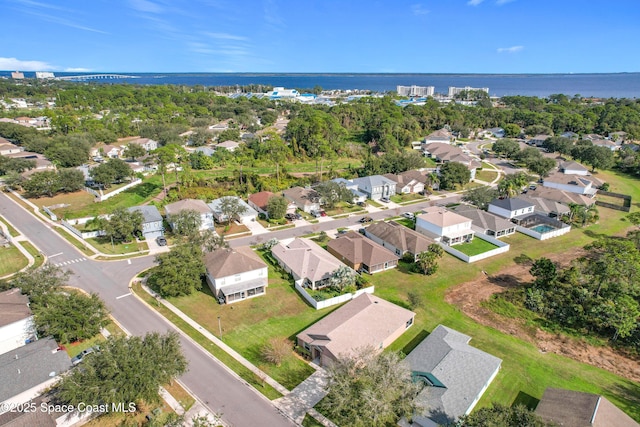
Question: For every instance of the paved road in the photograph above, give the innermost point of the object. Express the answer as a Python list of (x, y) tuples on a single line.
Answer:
[(210, 381)]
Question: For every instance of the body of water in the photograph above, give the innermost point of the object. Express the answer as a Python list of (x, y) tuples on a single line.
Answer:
[(618, 85)]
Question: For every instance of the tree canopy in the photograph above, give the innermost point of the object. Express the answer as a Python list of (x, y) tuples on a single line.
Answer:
[(178, 272), (452, 174)]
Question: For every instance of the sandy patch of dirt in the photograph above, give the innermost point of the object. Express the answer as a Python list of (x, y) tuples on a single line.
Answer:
[(468, 296)]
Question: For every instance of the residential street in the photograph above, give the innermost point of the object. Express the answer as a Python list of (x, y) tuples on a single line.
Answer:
[(222, 392)]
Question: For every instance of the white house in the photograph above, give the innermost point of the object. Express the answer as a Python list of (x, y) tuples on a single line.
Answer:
[(573, 183), (441, 135), (282, 93), (249, 214), (152, 225), (445, 226), (573, 168), (16, 320), (376, 186), (206, 215), (228, 145), (146, 143), (358, 196), (538, 140), (511, 208), (235, 274)]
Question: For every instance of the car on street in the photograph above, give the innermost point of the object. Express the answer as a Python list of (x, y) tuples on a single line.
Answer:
[(365, 220), (409, 215), (161, 241)]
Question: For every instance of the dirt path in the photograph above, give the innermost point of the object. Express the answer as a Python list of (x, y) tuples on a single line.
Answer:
[(468, 296)]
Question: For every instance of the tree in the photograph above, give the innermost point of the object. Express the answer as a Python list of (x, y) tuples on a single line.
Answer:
[(506, 147), (332, 193), (187, 222), (126, 369), (231, 207), (512, 130), (545, 273), (427, 261), (37, 282), (367, 388), (123, 224), (558, 144), (480, 196), (178, 272), (134, 150), (273, 148), (45, 183), (70, 180), (277, 207), (452, 174), (114, 170), (342, 278), (276, 350), (511, 185), (502, 416), (541, 166), (208, 240)]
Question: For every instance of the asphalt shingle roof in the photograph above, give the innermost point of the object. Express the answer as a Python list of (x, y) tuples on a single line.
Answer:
[(149, 213), (226, 262), (512, 203)]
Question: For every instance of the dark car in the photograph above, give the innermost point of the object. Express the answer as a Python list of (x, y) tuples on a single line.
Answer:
[(365, 220), (291, 216), (161, 241), (361, 204)]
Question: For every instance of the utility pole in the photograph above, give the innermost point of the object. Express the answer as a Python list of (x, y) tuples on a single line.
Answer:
[(220, 327)]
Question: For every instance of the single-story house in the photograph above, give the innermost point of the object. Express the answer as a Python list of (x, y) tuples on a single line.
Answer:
[(358, 196), (207, 151), (305, 199), (570, 408), (152, 225), (408, 182), (538, 140), (611, 145), (572, 183), (398, 238), (235, 274), (146, 143), (455, 376), (309, 264), (569, 135), (497, 132), (376, 186), (249, 214), (111, 151), (7, 147), (228, 145), (42, 163), (29, 370), (486, 222), (364, 321), (573, 168), (551, 208), (511, 207), (441, 136), (445, 153), (16, 320), (362, 254), (197, 205), (259, 201), (565, 197), (444, 226)]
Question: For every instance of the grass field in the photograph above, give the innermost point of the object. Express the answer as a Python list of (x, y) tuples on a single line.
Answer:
[(11, 260), (475, 247), (103, 244), (39, 259), (487, 175)]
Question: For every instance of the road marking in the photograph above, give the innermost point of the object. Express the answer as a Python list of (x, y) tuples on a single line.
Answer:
[(125, 295), (59, 253), (129, 261)]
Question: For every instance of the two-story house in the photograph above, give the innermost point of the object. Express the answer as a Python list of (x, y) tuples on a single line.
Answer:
[(235, 274), (16, 320), (445, 226), (152, 226), (512, 208), (376, 186)]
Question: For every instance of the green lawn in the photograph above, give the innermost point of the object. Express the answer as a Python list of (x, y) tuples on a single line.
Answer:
[(487, 175), (12, 231), (104, 245), (343, 208), (475, 247), (403, 198), (37, 256), (75, 242), (11, 260)]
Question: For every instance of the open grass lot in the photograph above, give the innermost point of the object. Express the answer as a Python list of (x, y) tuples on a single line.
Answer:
[(11, 260), (342, 208), (475, 247), (404, 198), (231, 228), (103, 244), (248, 325), (487, 175)]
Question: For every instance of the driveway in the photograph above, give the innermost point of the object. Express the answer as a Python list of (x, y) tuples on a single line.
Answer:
[(305, 396)]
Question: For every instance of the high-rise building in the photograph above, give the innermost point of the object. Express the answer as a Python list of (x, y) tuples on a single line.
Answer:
[(453, 91), (17, 75), (44, 75), (415, 90)]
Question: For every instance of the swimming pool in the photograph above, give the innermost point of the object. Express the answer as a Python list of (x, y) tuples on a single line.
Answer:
[(543, 228)]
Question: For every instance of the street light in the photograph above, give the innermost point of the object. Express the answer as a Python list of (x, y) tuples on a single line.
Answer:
[(220, 327)]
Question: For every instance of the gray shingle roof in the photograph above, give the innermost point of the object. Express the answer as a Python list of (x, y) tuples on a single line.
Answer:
[(149, 213), (373, 181), (512, 203), (462, 369), (400, 236), (14, 306), (30, 365), (483, 219), (226, 262)]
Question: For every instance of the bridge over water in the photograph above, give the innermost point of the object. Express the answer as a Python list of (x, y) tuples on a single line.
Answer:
[(96, 77)]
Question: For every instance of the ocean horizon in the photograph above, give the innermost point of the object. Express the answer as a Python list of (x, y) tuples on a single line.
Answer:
[(598, 85)]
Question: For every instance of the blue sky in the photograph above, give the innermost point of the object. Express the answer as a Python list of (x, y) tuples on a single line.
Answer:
[(395, 36)]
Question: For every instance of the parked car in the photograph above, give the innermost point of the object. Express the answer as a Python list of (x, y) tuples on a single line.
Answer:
[(161, 241), (343, 231), (316, 214), (361, 204), (291, 216), (385, 200), (323, 213), (365, 220), (409, 215), (80, 357)]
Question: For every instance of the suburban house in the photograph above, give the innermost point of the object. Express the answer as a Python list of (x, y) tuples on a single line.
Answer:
[(16, 320), (497, 132), (362, 254), (305, 199), (486, 222), (569, 135), (398, 238), (565, 197), (511, 207), (573, 168), (364, 321), (258, 201), (228, 145), (572, 183), (111, 151), (309, 264), (146, 143), (235, 274), (445, 153), (207, 151), (197, 205), (7, 147), (551, 208), (42, 163), (538, 140), (152, 226), (249, 213), (358, 196), (29, 370), (408, 182), (440, 136), (611, 145), (570, 408), (376, 186), (444, 225), (455, 376)]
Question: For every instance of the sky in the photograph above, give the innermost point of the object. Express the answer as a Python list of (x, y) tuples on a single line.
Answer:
[(315, 36)]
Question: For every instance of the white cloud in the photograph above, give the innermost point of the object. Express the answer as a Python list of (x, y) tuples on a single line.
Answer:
[(418, 9), (18, 64), (226, 36), (77, 70), (146, 6), (474, 2), (512, 49)]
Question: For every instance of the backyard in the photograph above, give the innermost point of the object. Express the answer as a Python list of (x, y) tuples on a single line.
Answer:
[(475, 247), (11, 260)]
